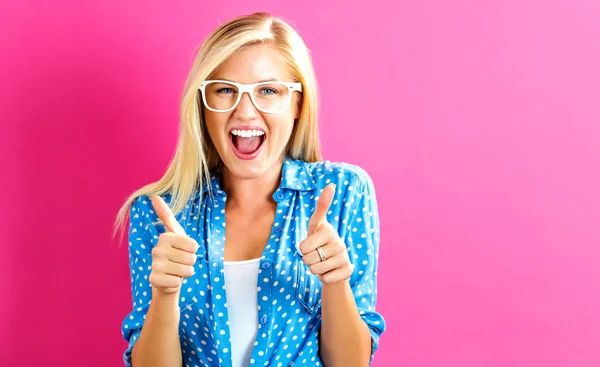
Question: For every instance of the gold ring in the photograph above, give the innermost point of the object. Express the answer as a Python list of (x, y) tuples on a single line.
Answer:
[(321, 253)]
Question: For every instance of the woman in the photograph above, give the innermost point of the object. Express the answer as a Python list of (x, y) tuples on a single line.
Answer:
[(251, 251)]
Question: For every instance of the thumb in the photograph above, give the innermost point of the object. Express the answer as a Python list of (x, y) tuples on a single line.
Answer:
[(319, 216), (166, 215)]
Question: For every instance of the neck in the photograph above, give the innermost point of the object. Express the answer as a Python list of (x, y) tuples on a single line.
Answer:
[(251, 193)]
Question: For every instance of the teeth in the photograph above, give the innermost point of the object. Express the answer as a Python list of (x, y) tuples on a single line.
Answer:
[(247, 133)]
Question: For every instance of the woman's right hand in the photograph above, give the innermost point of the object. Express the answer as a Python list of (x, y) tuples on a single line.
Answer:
[(174, 255)]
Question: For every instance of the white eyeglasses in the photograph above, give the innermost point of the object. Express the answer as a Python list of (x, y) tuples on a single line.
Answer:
[(267, 97)]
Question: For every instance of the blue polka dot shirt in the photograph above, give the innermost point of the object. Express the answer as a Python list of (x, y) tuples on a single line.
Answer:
[(288, 294)]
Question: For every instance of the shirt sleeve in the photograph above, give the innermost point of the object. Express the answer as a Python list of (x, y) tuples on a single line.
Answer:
[(362, 240), (140, 234)]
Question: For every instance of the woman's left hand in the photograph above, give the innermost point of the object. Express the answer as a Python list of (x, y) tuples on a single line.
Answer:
[(336, 265)]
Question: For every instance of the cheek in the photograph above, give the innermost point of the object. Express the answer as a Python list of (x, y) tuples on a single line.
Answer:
[(281, 134), (215, 123), (282, 127)]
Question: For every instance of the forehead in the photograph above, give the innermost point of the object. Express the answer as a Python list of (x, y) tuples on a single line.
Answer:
[(253, 64)]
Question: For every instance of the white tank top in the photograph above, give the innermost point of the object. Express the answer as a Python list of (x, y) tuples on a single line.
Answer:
[(241, 280)]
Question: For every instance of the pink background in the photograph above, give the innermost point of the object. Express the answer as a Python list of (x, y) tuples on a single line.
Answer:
[(479, 122)]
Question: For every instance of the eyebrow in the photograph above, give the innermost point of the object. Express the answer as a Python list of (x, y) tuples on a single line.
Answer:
[(261, 81)]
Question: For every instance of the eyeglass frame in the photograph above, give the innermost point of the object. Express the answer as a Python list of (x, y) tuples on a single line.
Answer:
[(242, 88)]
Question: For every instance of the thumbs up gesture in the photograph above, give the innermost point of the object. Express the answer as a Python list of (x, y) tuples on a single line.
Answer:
[(174, 255), (323, 250)]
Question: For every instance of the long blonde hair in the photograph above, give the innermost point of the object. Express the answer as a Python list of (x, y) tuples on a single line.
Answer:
[(195, 156)]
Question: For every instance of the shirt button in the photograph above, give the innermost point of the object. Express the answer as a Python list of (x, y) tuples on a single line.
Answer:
[(263, 319), (278, 229), (279, 196), (266, 265)]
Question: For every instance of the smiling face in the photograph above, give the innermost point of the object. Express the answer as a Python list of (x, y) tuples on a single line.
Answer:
[(250, 142)]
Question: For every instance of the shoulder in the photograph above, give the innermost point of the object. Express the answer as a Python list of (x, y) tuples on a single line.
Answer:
[(143, 212), (141, 207), (342, 174)]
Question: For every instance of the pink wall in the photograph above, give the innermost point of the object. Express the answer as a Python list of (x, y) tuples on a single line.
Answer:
[(479, 122)]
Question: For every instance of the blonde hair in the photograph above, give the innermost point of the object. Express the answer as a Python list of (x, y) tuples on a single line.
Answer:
[(195, 156)]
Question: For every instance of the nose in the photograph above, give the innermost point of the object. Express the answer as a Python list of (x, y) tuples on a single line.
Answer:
[(245, 109)]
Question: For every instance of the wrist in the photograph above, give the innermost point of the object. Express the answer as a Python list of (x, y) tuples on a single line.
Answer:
[(337, 286), (165, 298)]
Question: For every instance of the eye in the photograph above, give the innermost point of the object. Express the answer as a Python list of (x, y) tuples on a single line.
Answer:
[(225, 90), (268, 91)]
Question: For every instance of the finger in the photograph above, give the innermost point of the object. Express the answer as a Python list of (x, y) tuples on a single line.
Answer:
[(182, 257), (181, 242), (175, 269), (166, 215), (330, 264), (169, 242), (330, 250), (311, 258), (320, 213), (337, 275), (180, 270), (325, 235), (170, 282)]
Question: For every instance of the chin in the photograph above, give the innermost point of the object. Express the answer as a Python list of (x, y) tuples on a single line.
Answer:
[(247, 170)]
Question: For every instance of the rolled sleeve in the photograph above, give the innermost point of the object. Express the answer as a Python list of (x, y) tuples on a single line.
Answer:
[(141, 217), (362, 240)]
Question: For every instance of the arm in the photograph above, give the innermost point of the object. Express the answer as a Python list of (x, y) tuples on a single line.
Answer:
[(158, 344), (345, 338), (151, 328), (351, 327)]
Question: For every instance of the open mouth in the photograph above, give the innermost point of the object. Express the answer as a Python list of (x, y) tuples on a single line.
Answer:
[(247, 143)]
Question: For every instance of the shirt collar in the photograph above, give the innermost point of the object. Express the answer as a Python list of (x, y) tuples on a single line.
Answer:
[(295, 175)]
